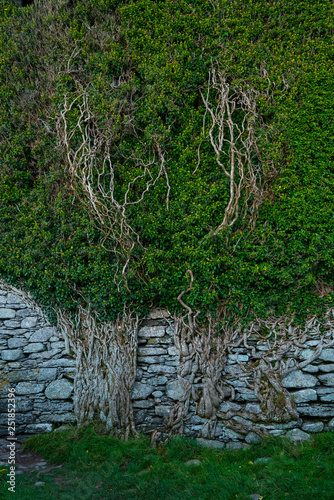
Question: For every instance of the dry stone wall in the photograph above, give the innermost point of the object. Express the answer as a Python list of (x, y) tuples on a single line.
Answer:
[(34, 362), (158, 388)]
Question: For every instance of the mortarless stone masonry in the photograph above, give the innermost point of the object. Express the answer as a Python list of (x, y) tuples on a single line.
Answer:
[(35, 361)]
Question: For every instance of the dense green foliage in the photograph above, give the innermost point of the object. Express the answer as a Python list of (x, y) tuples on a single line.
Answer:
[(96, 467), (51, 245)]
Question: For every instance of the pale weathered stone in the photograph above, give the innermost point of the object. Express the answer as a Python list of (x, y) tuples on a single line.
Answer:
[(253, 408), (59, 389), (58, 345), (327, 379), (37, 428), (327, 368), (310, 369), (157, 394), (22, 375), (149, 360), (304, 396), (142, 391), (331, 425), (239, 357), (252, 438), (229, 406), (173, 351), (161, 369), (152, 331), (14, 299), (7, 313), (28, 388), (58, 362), (297, 436), (11, 355), (33, 347), (16, 342), (327, 355), (12, 323), (298, 379), (162, 411), (29, 322), (159, 313), (210, 443), (317, 411), (47, 373), (42, 335), (306, 354), (313, 426), (176, 389), (193, 463), (151, 351), (143, 404)]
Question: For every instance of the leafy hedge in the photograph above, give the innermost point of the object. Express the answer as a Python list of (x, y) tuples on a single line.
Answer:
[(51, 245)]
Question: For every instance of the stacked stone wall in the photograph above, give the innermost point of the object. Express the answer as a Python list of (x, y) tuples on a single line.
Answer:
[(34, 363), (158, 388)]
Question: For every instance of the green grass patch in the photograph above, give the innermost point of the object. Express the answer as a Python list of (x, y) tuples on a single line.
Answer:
[(100, 467)]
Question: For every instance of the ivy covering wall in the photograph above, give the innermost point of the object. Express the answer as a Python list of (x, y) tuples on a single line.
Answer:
[(144, 67)]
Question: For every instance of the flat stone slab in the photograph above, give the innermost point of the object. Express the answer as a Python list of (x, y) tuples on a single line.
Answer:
[(59, 389), (297, 436), (298, 379), (7, 313), (142, 391)]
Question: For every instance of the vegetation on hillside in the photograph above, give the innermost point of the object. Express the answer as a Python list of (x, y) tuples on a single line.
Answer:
[(116, 152)]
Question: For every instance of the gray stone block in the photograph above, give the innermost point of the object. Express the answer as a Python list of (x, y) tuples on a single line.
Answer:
[(59, 389), (327, 379), (55, 363), (229, 406), (43, 335), (22, 375), (152, 331), (47, 374), (14, 299), (38, 428), (142, 391), (53, 406), (326, 368), (149, 360), (161, 369), (11, 355), (316, 411), (252, 438), (310, 369), (162, 411), (17, 342), (176, 389), (240, 357), (7, 313), (327, 355), (297, 436), (24, 388), (33, 347), (143, 404), (304, 396), (151, 351), (210, 443), (12, 324), (313, 426), (29, 322), (298, 379)]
